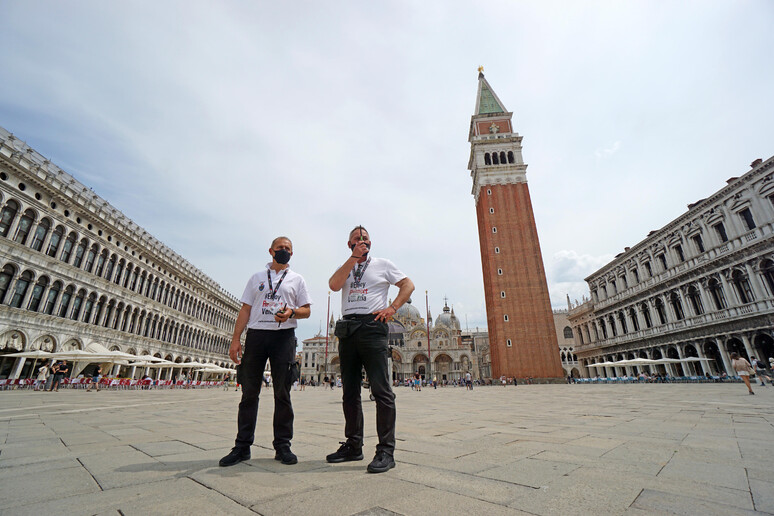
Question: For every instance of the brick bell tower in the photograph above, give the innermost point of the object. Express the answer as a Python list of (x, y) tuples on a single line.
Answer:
[(522, 338)]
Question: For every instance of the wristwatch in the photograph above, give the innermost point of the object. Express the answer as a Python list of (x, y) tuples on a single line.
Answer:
[(292, 313)]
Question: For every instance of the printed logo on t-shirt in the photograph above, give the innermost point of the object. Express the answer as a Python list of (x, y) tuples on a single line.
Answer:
[(271, 304), (261, 287), (357, 292)]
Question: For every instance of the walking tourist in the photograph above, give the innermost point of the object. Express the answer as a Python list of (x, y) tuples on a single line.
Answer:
[(273, 300), (40, 382), (96, 374), (364, 282), (743, 369), (760, 370)]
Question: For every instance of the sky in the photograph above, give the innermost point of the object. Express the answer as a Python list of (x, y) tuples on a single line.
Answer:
[(217, 126)]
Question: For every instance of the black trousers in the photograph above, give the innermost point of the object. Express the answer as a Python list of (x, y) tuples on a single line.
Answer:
[(363, 344), (279, 348)]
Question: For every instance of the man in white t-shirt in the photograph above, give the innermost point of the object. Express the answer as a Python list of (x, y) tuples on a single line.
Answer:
[(364, 282), (272, 301)]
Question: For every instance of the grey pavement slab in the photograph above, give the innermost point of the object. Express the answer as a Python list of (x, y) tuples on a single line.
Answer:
[(540, 449)]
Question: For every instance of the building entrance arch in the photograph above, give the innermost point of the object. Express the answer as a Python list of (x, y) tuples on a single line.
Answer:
[(764, 346), (711, 350), (734, 345)]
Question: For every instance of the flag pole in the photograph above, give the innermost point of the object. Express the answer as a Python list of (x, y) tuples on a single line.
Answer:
[(327, 329), (429, 358)]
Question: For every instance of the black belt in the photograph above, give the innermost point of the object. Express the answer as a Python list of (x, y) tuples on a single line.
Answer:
[(359, 317)]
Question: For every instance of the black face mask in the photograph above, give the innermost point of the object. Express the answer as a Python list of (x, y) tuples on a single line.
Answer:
[(281, 256)]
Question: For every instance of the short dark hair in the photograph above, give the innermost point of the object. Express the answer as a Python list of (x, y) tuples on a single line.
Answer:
[(356, 228), (281, 238), (734, 355)]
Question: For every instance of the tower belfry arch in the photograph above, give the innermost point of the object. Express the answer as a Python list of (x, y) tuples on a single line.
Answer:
[(522, 337)]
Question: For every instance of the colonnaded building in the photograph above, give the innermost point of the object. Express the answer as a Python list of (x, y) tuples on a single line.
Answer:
[(701, 286), (76, 273)]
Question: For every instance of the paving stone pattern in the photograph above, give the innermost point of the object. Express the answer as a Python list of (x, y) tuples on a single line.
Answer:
[(537, 449)]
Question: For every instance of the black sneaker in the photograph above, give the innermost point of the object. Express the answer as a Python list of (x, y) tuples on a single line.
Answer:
[(286, 456), (382, 462), (346, 453), (236, 456)]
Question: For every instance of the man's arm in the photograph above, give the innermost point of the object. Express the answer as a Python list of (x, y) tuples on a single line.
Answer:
[(406, 287), (340, 276), (302, 312), (235, 351)]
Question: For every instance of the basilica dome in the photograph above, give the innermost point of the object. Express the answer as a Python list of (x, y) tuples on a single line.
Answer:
[(409, 312), (448, 319)]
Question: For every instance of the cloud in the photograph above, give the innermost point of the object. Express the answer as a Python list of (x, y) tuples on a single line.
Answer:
[(608, 151)]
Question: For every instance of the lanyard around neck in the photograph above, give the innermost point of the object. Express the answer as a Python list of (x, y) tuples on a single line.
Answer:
[(275, 289), (357, 272)]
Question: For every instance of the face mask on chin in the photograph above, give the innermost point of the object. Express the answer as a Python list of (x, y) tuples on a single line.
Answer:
[(281, 256)]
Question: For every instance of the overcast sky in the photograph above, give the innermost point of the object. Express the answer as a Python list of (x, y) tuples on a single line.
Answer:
[(219, 125)]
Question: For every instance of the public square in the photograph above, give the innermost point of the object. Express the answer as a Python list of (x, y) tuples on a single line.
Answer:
[(534, 449)]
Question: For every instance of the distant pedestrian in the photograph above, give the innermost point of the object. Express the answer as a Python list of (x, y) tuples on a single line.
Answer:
[(468, 381), (743, 369), (96, 374), (760, 370), (43, 372)]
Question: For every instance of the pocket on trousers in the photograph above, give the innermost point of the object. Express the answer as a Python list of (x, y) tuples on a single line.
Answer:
[(345, 329), (377, 328)]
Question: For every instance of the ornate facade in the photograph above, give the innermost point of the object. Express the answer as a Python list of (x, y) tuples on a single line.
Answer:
[(76, 273), (519, 318), (702, 286), (451, 354)]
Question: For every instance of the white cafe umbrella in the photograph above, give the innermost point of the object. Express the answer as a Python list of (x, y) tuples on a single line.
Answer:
[(36, 354)]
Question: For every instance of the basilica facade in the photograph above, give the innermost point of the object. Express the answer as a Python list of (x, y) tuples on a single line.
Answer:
[(702, 286), (446, 352), (77, 274)]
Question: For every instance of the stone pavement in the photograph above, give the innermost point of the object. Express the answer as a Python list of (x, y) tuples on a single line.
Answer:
[(539, 449)]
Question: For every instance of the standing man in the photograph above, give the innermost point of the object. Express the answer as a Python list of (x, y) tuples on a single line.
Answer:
[(365, 281), (272, 301)]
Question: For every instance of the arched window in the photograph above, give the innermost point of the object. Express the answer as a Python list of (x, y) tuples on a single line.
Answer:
[(5, 280), (40, 234), (7, 217), (37, 294), (495, 159), (56, 239), (767, 271), (661, 311), (716, 292), (567, 332), (622, 320), (119, 271), (503, 159), (77, 303), (67, 296), (53, 294), (742, 286), (613, 329), (99, 309), (677, 305), (510, 157), (101, 263), (20, 289), (487, 159), (79, 252), (25, 224), (695, 300), (67, 249), (89, 307), (110, 266), (635, 322), (90, 258)]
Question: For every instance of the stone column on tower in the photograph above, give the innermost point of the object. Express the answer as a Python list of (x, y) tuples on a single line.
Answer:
[(521, 327)]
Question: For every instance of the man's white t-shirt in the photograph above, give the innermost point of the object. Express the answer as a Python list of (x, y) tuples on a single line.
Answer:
[(265, 303), (367, 285)]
